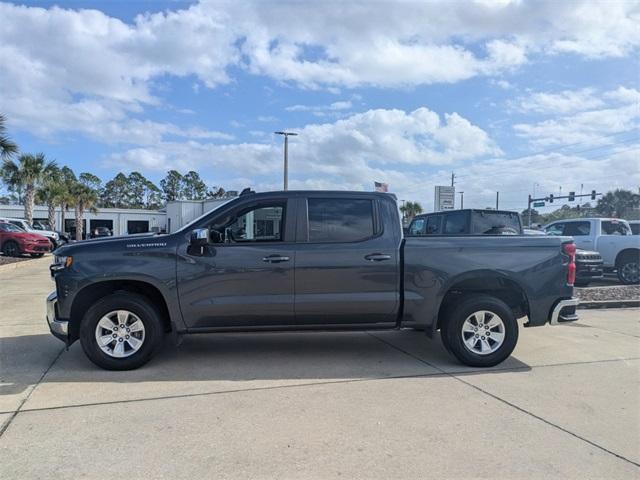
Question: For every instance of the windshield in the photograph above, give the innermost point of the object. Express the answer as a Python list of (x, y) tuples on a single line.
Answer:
[(7, 227), (190, 225), (495, 223)]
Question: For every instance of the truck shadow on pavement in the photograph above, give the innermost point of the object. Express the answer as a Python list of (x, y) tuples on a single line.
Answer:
[(319, 356)]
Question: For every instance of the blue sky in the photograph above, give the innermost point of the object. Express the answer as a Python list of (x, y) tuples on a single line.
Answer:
[(507, 95)]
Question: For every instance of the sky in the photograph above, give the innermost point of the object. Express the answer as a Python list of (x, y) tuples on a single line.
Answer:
[(512, 96)]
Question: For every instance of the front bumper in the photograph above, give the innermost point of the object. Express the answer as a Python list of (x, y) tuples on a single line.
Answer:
[(36, 248), (59, 328), (564, 311)]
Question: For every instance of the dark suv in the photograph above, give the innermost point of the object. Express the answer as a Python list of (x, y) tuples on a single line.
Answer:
[(467, 222)]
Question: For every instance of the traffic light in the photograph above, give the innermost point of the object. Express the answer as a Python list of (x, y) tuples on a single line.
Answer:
[(572, 196), (551, 198), (593, 194)]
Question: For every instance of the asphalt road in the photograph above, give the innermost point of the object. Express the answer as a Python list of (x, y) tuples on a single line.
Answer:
[(318, 405)]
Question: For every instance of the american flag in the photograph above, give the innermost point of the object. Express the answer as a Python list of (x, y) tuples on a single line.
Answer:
[(381, 187)]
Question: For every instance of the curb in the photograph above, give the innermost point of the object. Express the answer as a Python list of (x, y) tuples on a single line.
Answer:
[(610, 304), (17, 265)]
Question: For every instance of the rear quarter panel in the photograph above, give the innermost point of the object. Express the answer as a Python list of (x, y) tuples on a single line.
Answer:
[(435, 264)]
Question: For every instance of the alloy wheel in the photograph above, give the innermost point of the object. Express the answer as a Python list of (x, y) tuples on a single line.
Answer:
[(483, 332), (120, 333)]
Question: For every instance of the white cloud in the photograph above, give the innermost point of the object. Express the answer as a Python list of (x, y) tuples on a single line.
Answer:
[(582, 116), (567, 101), (333, 107), (389, 145)]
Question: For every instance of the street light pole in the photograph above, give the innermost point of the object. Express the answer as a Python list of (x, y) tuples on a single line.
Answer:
[(286, 156), (461, 200)]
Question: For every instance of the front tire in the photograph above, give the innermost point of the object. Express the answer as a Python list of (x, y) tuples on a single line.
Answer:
[(11, 249), (122, 331), (37, 255), (481, 331)]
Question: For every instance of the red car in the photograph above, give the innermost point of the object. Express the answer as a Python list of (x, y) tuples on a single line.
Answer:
[(14, 241)]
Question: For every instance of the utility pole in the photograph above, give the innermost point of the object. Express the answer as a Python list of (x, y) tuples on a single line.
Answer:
[(497, 199), (461, 200), (529, 203), (286, 156)]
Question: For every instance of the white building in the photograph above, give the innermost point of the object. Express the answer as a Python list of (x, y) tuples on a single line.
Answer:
[(123, 221)]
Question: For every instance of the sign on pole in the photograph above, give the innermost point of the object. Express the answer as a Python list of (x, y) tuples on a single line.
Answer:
[(444, 198), (538, 204)]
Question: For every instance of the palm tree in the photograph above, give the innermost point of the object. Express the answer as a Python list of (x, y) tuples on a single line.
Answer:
[(84, 199), (618, 203), (27, 174), (52, 190), (410, 210), (7, 147), (65, 198)]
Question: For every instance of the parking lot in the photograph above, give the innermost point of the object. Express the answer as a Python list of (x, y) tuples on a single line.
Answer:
[(318, 405)]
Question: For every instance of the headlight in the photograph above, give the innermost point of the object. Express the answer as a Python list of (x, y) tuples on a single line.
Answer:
[(55, 236), (61, 262)]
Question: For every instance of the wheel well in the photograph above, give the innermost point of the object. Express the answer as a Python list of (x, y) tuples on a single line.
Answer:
[(627, 253), (92, 293), (506, 290)]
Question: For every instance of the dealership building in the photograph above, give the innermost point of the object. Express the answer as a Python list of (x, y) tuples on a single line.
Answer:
[(123, 221)]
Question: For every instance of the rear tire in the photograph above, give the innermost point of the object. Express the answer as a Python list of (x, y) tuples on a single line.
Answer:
[(581, 283), (481, 331), (11, 249), (37, 255), (99, 322), (629, 268)]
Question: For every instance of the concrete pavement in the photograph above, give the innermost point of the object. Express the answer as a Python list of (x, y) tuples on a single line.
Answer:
[(318, 405)]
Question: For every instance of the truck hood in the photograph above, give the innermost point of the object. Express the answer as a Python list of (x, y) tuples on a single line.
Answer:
[(121, 241)]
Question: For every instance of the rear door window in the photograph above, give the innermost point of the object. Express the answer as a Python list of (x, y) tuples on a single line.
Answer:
[(340, 219), (495, 223), (434, 225), (455, 223), (613, 227)]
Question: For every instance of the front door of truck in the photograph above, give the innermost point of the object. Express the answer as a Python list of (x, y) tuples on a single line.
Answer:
[(244, 277), (346, 263)]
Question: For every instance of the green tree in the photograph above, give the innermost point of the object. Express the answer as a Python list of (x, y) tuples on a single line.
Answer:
[(193, 187), (90, 180), (216, 192), (138, 186), (618, 203), (171, 186), (7, 147), (65, 198), (85, 198), (153, 196), (116, 192), (50, 193), (410, 210), (28, 174)]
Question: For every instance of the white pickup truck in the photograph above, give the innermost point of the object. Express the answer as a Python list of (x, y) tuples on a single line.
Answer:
[(611, 237)]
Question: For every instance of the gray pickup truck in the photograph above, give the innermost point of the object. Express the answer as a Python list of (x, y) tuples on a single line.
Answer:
[(307, 260)]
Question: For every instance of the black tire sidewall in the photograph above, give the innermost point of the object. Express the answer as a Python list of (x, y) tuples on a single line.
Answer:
[(122, 301), (17, 250), (624, 262), (453, 327)]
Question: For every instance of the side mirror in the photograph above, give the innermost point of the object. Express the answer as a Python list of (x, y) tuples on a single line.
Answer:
[(199, 237)]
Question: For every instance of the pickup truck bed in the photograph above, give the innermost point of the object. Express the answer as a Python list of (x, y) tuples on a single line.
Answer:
[(306, 260)]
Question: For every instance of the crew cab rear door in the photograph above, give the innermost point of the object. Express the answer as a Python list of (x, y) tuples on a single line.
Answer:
[(347, 261)]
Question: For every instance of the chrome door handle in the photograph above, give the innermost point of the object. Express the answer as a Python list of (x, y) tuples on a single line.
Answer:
[(377, 257), (275, 259)]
